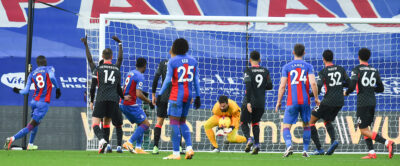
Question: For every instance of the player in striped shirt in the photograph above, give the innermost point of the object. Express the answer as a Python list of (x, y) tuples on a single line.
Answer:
[(298, 75), (182, 72), (43, 79), (132, 108)]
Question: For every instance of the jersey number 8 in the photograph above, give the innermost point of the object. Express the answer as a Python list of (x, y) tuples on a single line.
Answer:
[(40, 80)]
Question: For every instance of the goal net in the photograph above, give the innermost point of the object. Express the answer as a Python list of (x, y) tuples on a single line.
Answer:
[(222, 45)]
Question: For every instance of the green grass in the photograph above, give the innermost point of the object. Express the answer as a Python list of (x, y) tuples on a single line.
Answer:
[(82, 158)]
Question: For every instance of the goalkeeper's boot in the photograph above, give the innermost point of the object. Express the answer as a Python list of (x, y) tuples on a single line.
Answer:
[(140, 151), (119, 149), (181, 151), (249, 145), (7, 144), (318, 152), (172, 157), (370, 156), (256, 149), (102, 146), (32, 147), (390, 148), (189, 154), (155, 150), (332, 148), (215, 150), (305, 154), (288, 152), (128, 146), (108, 149)]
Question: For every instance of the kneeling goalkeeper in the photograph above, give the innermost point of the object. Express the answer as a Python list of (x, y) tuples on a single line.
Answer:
[(224, 108)]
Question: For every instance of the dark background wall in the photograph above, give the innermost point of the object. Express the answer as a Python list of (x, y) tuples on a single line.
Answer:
[(61, 128)]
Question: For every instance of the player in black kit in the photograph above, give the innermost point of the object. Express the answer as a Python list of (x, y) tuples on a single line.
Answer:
[(257, 80), (368, 82), (108, 94), (333, 78), (117, 115)]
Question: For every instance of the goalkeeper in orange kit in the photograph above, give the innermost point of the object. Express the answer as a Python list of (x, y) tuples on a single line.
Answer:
[(224, 108)]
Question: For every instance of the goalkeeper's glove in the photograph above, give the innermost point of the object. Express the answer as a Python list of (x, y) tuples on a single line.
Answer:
[(228, 130), (197, 102), (16, 90), (58, 93), (220, 132)]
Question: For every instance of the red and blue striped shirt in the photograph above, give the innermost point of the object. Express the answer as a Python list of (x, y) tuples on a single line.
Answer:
[(297, 73), (133, 81)]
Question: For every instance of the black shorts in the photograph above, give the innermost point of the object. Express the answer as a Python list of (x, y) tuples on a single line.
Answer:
[(116, 117), (365, 116), (328, 113), (162, 110), (254, 117), (104, 109)]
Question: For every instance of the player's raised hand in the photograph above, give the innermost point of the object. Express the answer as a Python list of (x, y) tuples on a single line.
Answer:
[(197, 102), (115, 38), (16, 90), (84, 40), (91, 106), (58, 93), (249, 107), (278, 106)]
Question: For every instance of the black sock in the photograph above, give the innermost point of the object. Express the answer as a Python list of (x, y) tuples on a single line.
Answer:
[(380, 139), (370, 146), (246, 130), (98, 132), (120, 133), (315, 137), (157, 134), (256, 133), (106, 132), (331, 131)]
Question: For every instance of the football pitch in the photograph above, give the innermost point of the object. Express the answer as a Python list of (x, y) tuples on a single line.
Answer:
[(59, 158)]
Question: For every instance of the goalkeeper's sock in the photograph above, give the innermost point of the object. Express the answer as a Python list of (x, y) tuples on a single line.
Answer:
[(157, 134), (23, 132), (185, 133), (176, 135), (369, 143), (256, 133), (246, 130), (331, 131), (211, 136), (315, 137), (33, 135), (306, 138), (97, 131), (378, 138), (287, 137), (106, 132), (120, 133), (138, 133)]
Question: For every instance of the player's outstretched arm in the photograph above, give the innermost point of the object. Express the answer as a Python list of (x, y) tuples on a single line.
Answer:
[(197, 102), (88, 55), (281, 91), (27, 86), (379, 85), (353, 82), (141, 96), (155, 83), (120, 52), (53, 80), (314, 88)]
